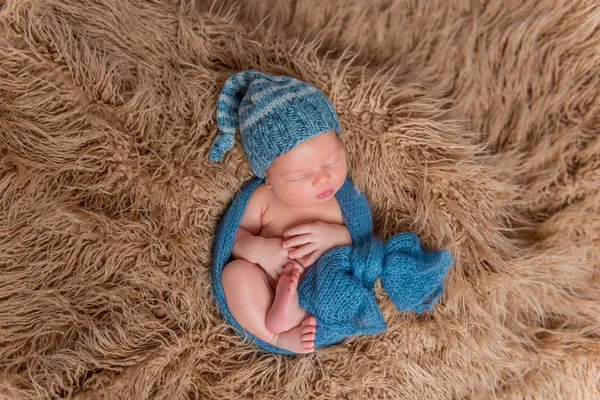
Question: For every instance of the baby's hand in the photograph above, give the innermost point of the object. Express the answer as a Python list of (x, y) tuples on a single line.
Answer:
[(274, 257), (312, 240)]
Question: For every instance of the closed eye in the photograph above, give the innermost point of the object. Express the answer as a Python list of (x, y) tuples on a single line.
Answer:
[(298, 180), (333, 163)]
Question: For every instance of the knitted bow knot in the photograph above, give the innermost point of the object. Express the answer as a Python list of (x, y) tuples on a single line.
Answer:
[(339, 289)]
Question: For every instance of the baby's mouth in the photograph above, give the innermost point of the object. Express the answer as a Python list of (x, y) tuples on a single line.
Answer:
[(325, 194)]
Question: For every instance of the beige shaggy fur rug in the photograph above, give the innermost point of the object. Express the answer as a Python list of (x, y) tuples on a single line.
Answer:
[(475, 124)]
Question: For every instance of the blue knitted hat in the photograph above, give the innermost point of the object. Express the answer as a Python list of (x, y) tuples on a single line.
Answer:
[(273, 113)]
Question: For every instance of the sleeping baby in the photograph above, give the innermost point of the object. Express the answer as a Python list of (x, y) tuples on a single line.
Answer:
[(289, 131)]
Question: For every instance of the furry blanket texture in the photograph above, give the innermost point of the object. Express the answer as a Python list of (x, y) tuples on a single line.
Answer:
[(474, 124)]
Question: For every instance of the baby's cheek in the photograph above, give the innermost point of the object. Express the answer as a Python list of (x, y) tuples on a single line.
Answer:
[(308, 194), (341, 177), (301, 195)]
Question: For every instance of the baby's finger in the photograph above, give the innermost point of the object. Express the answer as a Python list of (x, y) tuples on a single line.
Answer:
[(297, 241), (302, 251), (299, 230), (301, 260), (311, 259)]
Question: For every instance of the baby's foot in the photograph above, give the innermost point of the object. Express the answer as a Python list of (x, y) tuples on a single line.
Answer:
[(300, 339), (285, 312)]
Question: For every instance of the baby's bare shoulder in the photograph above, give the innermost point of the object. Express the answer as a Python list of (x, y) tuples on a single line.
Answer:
[(252, 220), (262, 196)]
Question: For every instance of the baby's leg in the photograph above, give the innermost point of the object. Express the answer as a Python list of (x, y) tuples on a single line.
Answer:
[(286, 312), (250, 297)]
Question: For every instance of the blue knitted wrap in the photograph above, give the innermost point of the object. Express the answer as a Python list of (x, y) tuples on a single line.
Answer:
[(339, 288)]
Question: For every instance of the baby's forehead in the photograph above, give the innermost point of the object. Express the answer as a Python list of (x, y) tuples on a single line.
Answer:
[(307, 154), (290, 167), (285, 165)]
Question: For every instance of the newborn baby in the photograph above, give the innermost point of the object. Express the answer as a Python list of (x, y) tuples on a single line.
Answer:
[(295, 216), (284, 221), (289, 131)]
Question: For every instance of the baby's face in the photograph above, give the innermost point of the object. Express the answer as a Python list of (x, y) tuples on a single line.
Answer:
[(310, 173)]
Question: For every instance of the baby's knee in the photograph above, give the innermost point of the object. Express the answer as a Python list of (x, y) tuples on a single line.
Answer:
[(232, 271)]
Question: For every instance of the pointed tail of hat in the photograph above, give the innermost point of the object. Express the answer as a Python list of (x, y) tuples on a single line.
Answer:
[(227, 112)]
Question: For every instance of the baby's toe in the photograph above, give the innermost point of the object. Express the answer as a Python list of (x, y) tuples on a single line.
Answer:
[(308, 337), (309, 329), (288, 269), (292, 285), (308, 345), (310, 321)]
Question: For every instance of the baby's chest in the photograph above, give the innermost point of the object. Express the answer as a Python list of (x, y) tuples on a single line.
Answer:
[(278, 220)]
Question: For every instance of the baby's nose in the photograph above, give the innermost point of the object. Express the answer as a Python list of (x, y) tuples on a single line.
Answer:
[(321, 178)]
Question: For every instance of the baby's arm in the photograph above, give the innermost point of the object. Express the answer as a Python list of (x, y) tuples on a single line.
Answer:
[(340, 236), (248, 245), (267, 253)]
